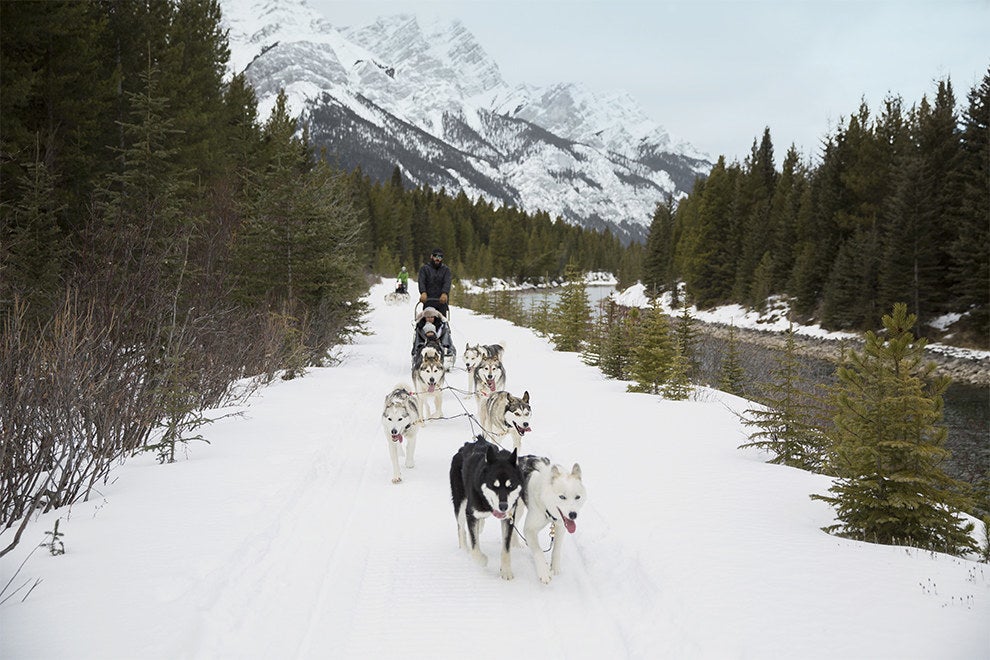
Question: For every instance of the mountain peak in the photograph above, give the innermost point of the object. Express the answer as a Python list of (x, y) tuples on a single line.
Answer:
[(427, 97)]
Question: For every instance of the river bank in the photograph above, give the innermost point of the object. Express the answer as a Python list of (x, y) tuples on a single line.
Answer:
[(973, 370)]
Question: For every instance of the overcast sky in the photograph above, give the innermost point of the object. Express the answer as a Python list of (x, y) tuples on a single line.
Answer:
[(715, 73)]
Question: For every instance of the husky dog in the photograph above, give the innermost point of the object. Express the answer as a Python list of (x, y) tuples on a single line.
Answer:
[(551, 496), (473, 356), (485, 480), (502, 414), (489, 377), (428, 376), (400, 419)]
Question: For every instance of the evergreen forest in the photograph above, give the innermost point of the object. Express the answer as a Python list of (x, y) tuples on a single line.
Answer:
[(895, 209)]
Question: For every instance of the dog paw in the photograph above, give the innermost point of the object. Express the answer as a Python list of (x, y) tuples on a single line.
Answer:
[(506, 574), (545, 579), (410, 465), (554, 570), (480, 557), (396, 480)]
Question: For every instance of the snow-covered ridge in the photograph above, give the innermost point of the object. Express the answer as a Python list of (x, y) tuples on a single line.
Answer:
[(594, 159)]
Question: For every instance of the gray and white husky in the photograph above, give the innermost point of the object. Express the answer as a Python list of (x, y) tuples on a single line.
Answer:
[(473, 355), (428, 375), (400, 419), (502, 414), (551, 496), (489, 377)]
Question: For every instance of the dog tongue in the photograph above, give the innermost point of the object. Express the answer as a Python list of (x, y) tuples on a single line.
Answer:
[(397, 437), (568, 523), (500, 514), (432, 387)]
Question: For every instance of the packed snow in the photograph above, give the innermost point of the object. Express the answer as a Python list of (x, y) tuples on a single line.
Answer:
[(285, 538)]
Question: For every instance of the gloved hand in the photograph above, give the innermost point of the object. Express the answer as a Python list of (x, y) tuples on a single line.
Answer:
[(422, 297), (443, 298)]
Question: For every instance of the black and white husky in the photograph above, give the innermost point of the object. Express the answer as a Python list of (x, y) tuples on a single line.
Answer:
[(502, 414), (428, 375), (400, 419), (485, 480), (551, 496)]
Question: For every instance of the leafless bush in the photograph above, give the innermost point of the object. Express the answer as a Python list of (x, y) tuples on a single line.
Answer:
[(74, 400)]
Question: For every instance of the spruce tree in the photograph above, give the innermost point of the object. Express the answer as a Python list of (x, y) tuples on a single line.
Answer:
[(653, 352), (887, 447), (687, 338), (32, 248), (788, 425), (658, 260), (732, 376), (617, 341), (970, 265), (572, 314), (678, 385)]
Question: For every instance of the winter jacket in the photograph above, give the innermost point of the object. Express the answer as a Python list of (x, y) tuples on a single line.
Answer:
[(434, 280)]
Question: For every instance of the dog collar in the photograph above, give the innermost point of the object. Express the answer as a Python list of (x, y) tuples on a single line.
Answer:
[(551, 515)]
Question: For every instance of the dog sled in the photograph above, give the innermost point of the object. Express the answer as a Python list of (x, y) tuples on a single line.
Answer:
[(436, 334), (397, 297)]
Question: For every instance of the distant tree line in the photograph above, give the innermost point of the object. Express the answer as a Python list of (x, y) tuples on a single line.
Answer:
[(898, 210), (479, 239)]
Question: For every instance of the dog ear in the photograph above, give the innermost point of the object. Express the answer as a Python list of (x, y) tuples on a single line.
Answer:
[(490, 454), (526, 396), (576, 471), (554, 472), (514, 455)]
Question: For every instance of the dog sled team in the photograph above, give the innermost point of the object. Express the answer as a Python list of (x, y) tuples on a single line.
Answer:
[(486, 479)]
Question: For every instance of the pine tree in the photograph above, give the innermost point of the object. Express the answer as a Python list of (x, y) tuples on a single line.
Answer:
[(970, 266), (572, 314), (658, 261), (687, 339), (653, 352), (732, 376), (617, 332), (678, 385), (789, 424), (887, 445), (32, 248)]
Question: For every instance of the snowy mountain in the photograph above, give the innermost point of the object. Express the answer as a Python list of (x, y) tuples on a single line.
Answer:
[(429, 98)]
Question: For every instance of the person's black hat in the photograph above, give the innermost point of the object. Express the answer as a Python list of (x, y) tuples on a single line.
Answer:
[(437, 252)]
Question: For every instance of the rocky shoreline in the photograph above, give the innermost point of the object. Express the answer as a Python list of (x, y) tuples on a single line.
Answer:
[(975, 371)]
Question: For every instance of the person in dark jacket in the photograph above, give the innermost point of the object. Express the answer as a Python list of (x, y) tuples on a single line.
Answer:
[(434, 282)]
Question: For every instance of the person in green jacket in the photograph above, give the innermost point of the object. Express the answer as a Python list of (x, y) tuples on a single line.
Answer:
[(402, 281)]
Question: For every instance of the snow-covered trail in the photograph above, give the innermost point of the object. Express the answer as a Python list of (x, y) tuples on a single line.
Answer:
[(285, 538)]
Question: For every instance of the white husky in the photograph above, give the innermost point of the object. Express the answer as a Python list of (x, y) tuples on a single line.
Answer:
[(400, 419), (551, 496), (502, 414), (428, 375)]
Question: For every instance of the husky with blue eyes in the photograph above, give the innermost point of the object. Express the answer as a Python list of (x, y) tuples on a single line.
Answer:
[(551, 496)]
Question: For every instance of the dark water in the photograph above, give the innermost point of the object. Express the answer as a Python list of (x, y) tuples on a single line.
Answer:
[(966, 414), (967, 407)]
